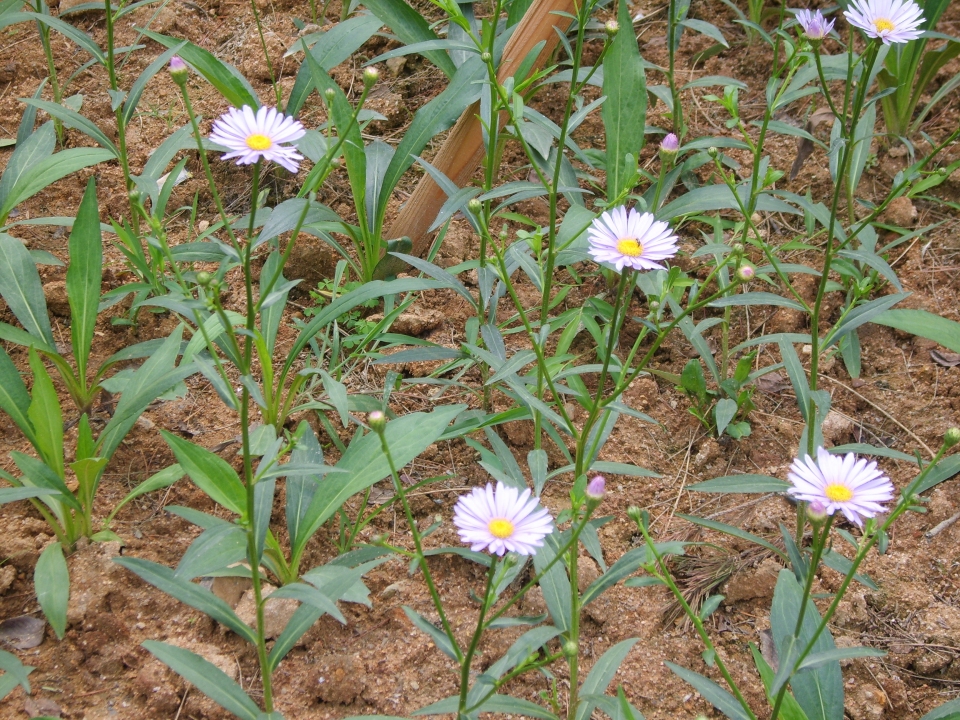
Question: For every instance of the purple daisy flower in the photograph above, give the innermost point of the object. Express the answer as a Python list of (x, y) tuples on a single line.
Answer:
[(846, 483), (626, 238), (891, 21), (815, 25), (502, 520), (251, 136)]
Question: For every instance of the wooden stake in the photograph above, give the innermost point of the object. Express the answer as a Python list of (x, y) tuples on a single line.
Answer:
[(462, 152)]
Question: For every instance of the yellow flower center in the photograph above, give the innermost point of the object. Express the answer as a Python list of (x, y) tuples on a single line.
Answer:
[(882, 25), (630, 247), (500, 528), (838, 493), (259, 142)]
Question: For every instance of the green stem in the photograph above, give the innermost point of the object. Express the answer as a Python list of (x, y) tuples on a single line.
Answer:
[(488, 596)]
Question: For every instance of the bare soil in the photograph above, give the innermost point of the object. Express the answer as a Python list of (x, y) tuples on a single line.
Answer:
[(378, 662)]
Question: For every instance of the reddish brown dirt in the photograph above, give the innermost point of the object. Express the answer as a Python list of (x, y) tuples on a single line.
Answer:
[(377, 662)]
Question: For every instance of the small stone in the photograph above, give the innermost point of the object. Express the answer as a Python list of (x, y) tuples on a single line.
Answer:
[(754, 584), (900, 212), (41, 706), (8, 73), (391, 590), (339, 679), (866, 703), (837, 428), (276, 613), (8, 573), (396, 64), (807, 349), (230, 588), (55, 292)]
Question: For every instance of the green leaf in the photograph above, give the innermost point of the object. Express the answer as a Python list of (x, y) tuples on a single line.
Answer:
[(554, 582), (724, 412), (207, 677), (705, 28), (45, 416), (155, 377), (819, 691), (947, 711), (64, 28), (13, 494), (817, 659), (712, 693), (309, 595), (157, 481), (36, 146), (330, 49), (742, 484), (625, 110), (756, 298), (732, 531), (20, 286), (505, 704), (163, 578), (925, 324), (719, 197), (223, 76), (215, 549), (945, 469), (438, 636), (16, 673), (14, 398), (52, 582), (603, 672), (433, 118), (411, 27), (790, 709), (84, 277), (47, 171), (629, 563), (364, 463), (72, 119), (210, 473), (136, 90)]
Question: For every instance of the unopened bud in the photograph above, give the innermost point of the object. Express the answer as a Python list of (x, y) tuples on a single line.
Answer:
[(510, 559), (611, 28), (597, 488), (204, 278), (135, 196), (370, 77), (377, 421), (670, 144), (178, 69), (329, 94), (485, 57), (635, 513), (571, 649), (738, 248), (712, 151), (474, 206), (654, 305), (816, 513), (746, 272), (951, 437)]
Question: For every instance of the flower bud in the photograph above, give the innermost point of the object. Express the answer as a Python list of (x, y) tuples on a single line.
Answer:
[(510, 559), (746, 272), (712, 151), (611, 28), (635, 514), (178, 70), (329, 94), (370, 77), (597, 488), (670, 144), (570, 649), (135, 196), (204, 278), (816, 513), (485, 57), (474, 206), (951, 437), (654, 305), (738, 248), (377, 421)]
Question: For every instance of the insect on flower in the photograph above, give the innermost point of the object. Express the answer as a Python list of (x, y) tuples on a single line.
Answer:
[(846, 483), (502, 520), (626, 238), (250, 136), (891, 21)]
